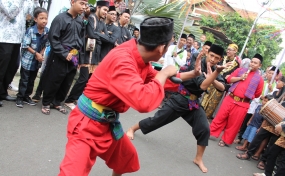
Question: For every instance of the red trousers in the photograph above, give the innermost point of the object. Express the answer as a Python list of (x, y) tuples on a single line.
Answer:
[(88, 139), (228, 119)]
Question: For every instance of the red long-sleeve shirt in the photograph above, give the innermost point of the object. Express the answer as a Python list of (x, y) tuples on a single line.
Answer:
[(242, 85), (122, 80)]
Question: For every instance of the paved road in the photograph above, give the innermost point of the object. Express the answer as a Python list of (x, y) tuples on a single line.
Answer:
[(33, 144)]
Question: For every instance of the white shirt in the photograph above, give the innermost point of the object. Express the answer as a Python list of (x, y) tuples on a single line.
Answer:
[(175, 61), (13, 19)]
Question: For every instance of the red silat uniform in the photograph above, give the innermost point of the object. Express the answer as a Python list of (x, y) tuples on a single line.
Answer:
[(122, 80), (231, 113)]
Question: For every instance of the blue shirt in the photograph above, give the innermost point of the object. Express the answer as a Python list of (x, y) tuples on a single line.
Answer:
[(257, 118), (37, 42)]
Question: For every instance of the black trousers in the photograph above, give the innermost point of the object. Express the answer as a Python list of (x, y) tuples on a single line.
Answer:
[(39, 90), (26, 83), (244, 125), (176, 106), (274, 152), (9, 55), (79, 86), (259, 137), (58, 77)]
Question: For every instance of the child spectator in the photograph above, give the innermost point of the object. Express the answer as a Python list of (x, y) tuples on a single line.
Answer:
[(253, 125), (34, 42)]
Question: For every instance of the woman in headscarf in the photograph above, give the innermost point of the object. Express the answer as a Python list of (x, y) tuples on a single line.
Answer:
[(212, 96)]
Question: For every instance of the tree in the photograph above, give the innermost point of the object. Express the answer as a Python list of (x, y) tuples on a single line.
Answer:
[(282, 68), (237, 28)]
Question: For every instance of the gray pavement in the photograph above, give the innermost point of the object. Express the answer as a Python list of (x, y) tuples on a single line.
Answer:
[(33, 144)]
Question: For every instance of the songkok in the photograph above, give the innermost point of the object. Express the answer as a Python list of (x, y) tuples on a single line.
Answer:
[(102, 3), (156, 30), (233, 46), (184, 36), (217, 50), (273, 68), (112, 8), (208, 43), (258, 56), (192, 36), (126, 11)]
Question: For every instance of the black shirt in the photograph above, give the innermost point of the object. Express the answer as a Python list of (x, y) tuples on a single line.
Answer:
[(125, 34), (193, 84), (113, 34), (66, 31)]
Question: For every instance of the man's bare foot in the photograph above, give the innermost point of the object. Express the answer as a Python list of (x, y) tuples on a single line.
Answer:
[(130, 133), (201, 165)]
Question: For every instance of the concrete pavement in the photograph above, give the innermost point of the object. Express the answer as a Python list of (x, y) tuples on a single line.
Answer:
[(33, 144)]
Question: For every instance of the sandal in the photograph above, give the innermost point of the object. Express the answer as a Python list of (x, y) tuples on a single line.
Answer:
[(261, 165), (256, 158), (242, 156), (61, 109), (240, 148), (222, 143), (237, 141), (46, 110)]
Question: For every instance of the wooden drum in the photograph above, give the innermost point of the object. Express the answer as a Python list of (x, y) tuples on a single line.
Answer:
[(273, 112)]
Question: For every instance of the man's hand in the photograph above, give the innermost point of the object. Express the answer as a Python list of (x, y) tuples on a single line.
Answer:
[(174, 54), (278, 128), (197, 69), (201, 54), (39, 57), (243, 76), (169, 71), (209, 70), (69, 56), (220, 68)]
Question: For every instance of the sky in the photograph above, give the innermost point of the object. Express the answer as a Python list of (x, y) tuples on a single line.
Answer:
[(276, 16)]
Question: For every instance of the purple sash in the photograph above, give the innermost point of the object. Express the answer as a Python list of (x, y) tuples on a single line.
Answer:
[(250, 91)]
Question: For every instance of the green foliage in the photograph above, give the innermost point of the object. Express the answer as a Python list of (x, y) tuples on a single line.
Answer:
[(237, 28), (92, 1), (282, 68), (210, 37)]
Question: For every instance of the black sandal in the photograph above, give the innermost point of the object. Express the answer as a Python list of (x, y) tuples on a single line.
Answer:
[(46, 110), (61, 109)]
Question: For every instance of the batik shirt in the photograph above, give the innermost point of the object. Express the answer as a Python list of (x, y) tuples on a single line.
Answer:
[(37, 42), (13, 19)]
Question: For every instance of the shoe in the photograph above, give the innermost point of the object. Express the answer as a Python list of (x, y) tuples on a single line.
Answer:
[(1, 103), (29, 101), (12, 87), (19, 103), (70, 105), (9, 98), (36, 98), (259, 174)]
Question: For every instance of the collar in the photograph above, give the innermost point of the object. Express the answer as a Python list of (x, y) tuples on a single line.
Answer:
[(204, 65), (36, 31), (135, 51)]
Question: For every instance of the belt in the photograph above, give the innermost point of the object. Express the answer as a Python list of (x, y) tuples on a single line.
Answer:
[(99, 107), (191, 97), (238, 99)]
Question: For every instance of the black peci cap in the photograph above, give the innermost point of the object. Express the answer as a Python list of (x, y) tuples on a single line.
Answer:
[(156, 30)]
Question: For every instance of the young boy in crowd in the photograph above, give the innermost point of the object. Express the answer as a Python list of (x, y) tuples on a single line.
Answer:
[(34, 42), (253, 125)]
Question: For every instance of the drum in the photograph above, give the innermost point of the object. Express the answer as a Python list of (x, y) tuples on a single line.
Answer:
[(273, 112)]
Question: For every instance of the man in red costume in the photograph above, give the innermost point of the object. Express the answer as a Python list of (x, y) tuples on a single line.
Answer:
[(247, 85), (130, 81)]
